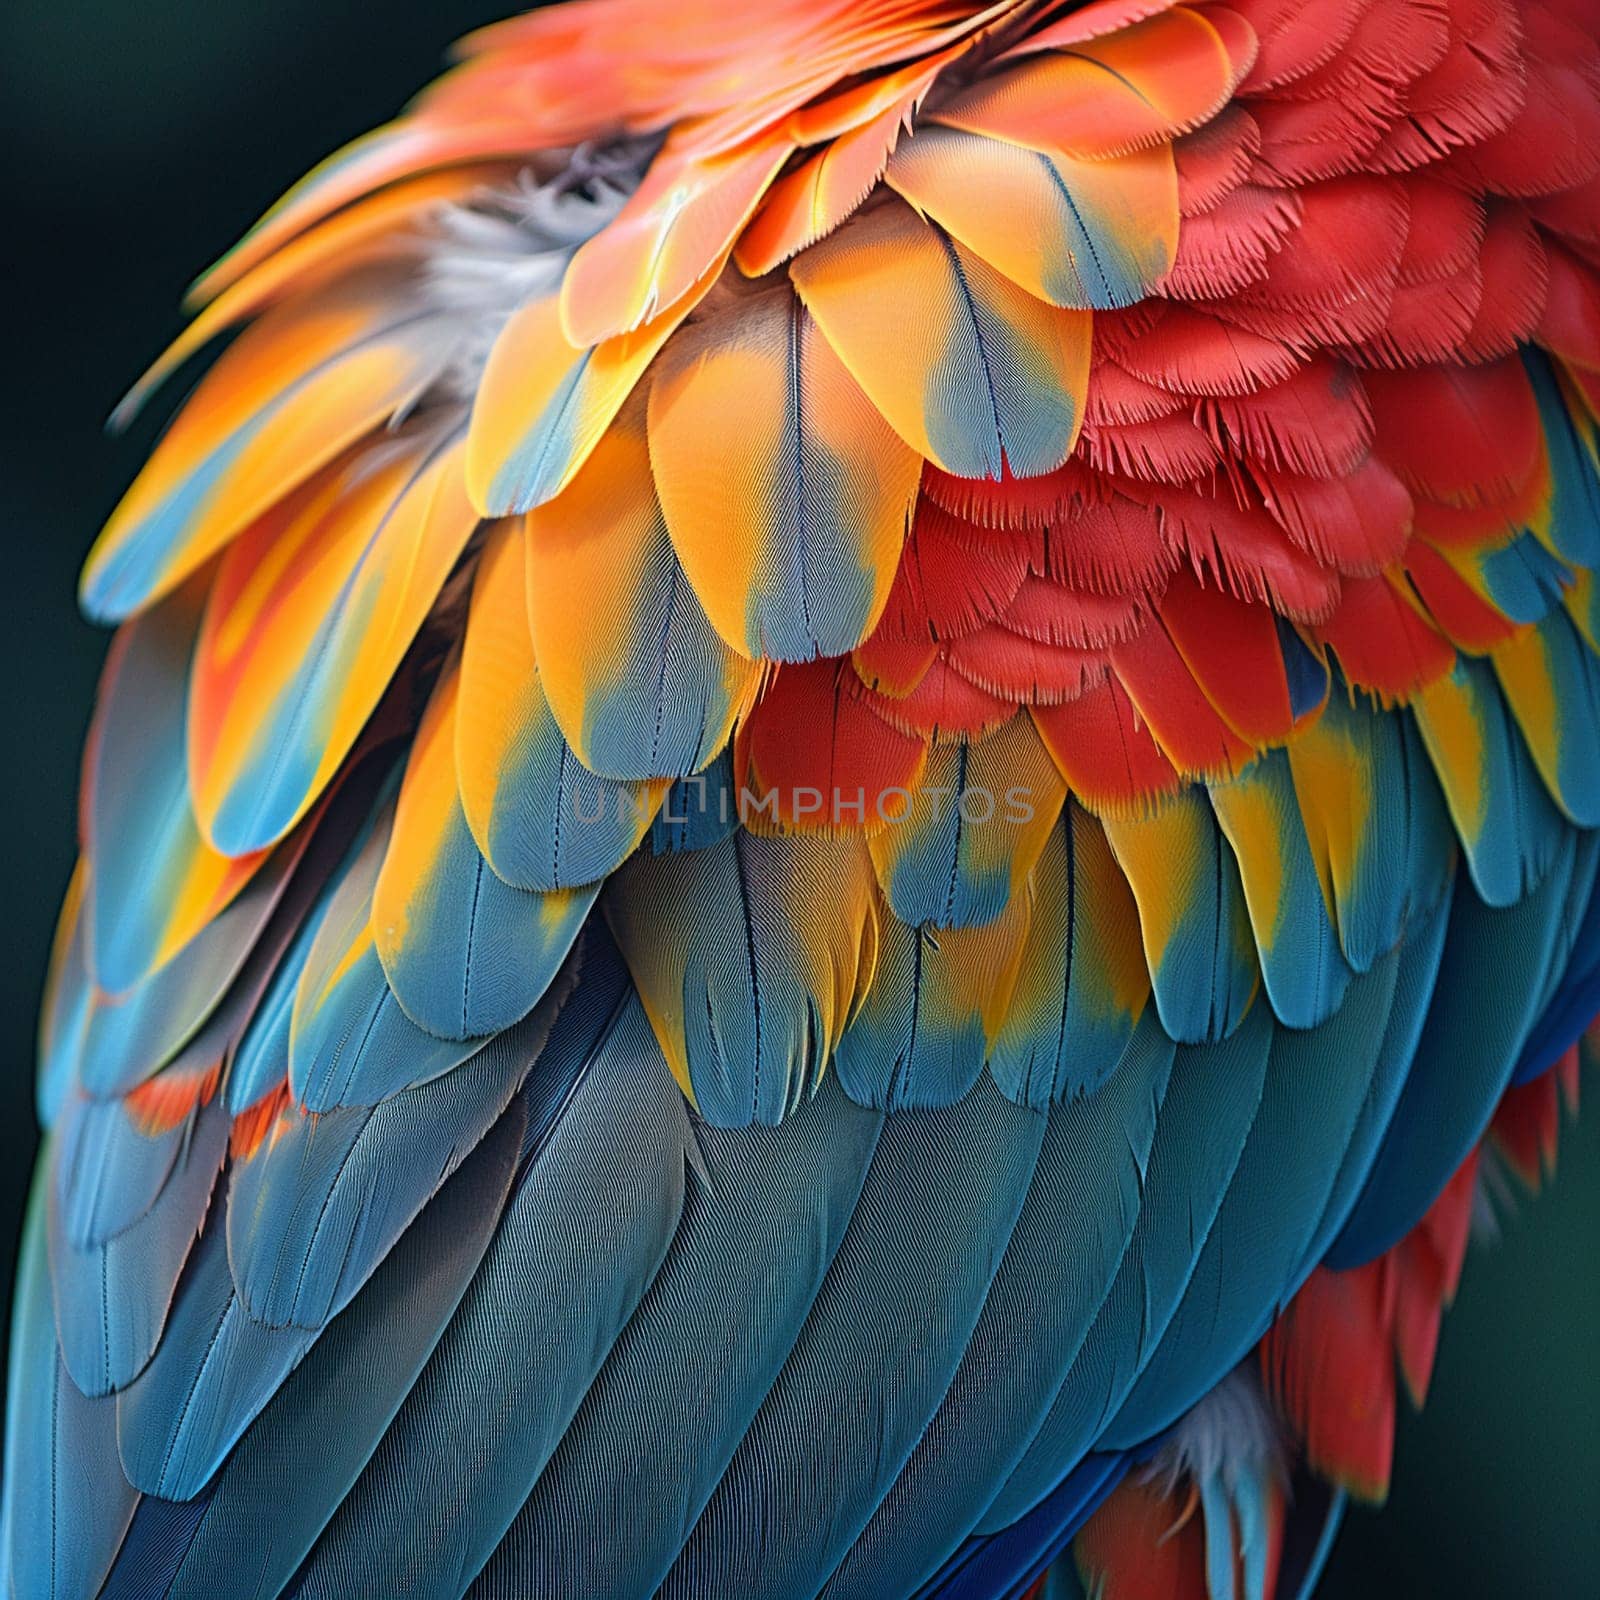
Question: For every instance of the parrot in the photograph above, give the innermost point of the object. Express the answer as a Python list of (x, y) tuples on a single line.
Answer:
[(846, 814)]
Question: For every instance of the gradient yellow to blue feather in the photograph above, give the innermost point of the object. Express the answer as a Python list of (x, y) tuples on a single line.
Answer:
[(1192, 914), (1375, 821), (972, 831), (748, 977), (1508, 826), (1081, 984), (787, 494), (1550, 677), (1301, 963), (350, 1041), (985, 378)]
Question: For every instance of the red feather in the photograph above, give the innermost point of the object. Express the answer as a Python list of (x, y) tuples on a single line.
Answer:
[(951, 578), (1214, 160), (1105, 751), (944, 705), (1318, 421), (1383, 642), (1233, 652), (1186, 725), (812, 731), (1358, 523), (1465, 436)]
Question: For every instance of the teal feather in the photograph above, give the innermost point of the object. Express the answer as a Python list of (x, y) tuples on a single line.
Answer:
[(292, 1469), (1512, 834), (1415, 980), (112, 1293), (64, 1505), (1492, 975), (876, 1355), (1087, 1188), (323, 1200), (478, 953), (760, 1228), (1316, 1082), (1205, 976), (1201, 1130), (594, 1209)]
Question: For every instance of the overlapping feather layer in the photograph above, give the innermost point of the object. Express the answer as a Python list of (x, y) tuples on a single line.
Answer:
[(982, 537)]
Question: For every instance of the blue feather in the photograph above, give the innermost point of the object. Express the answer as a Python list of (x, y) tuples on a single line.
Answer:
[(350, 1042), (1492, 975), (1002, 1565), (876, 1355), (1316, 1081), (1201, 1130), (477, 953), (747, 972), (313, 1211), (109, 1172), (292, 1468), (595, 1207), (112, 1293), (698, 812), (759, 1230), (65, 1504), (1186, 880), (1302, 965), (1574, 525), (918, 1041), (1508, 825), (1418, 972), (1086, 1190), (1523, 579)]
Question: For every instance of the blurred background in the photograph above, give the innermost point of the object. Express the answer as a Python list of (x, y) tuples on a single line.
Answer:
[(140, 141)]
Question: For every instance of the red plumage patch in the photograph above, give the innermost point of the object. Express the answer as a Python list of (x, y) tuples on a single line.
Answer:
[(1026, 671), (1330, 1358), (1358, 523), (1214, 160), (1105, 752), (1383, 642), (1240, 547), (1466, 436), (1187, 727), (943, 705), (1317, 422), (812, 735), (1233, 652), (951, 580), (1143, 1544), (1571, 322)]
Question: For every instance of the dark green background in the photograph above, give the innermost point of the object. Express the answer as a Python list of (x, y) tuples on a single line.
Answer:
[(139, 139)]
